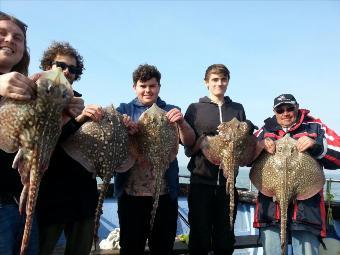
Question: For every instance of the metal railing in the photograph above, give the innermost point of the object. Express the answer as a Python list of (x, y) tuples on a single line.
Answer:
[(328, 181), (331, 180)]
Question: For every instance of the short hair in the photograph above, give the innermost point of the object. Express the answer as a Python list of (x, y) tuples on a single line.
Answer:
[(216, 69), (22, 66), (146, 72), (65, 49)]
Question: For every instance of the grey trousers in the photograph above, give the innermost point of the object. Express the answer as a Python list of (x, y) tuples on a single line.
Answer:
[(78, 234)]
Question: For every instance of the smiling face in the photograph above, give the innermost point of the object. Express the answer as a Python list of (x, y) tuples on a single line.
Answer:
[(12, 45), (217, 85), (286, 114), (147, 91)]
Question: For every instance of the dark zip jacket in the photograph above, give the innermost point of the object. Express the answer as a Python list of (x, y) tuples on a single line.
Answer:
[(306, 214), (204, 117)]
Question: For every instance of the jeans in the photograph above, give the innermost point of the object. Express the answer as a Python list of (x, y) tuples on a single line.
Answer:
[(303, 242), (11, 231)]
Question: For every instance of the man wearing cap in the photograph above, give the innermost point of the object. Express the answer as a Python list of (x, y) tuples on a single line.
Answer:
[(306, 219)]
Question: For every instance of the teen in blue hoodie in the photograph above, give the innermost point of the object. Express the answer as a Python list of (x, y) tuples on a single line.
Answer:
[(134, 188)]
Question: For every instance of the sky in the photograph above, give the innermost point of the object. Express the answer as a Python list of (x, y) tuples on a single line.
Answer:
[(270, 48)]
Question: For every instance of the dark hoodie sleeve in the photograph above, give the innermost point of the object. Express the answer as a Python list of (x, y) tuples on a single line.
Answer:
[(242, 114), (189, 115), (68, 129)]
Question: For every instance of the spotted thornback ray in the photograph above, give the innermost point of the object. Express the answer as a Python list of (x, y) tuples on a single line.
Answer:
[(34, 127), (102, 148), (287, 175), (158, 143), (230, 148)]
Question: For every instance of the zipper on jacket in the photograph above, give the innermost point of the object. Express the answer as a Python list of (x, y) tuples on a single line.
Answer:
[(221, 120), (220, 112)]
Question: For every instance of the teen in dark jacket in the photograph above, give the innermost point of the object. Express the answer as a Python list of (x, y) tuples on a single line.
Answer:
[(68, 192), (306, 218), (208, 202)]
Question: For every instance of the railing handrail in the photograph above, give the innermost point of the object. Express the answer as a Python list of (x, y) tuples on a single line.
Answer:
[(332, 180), (184, 176), (250, 185)]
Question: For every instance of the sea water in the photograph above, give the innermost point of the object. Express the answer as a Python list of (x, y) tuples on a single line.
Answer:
[(242, 180)]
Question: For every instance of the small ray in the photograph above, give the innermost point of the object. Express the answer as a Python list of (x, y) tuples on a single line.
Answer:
[(231, 147)]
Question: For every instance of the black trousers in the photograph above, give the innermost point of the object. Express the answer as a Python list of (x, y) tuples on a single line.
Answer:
[(134, 219), (209, 220)]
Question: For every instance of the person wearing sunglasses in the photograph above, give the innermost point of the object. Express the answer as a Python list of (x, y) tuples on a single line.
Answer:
[(68, 192), (14, 84), (306, 224)]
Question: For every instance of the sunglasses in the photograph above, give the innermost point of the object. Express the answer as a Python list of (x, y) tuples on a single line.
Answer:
[(63, 66), (285, 109)]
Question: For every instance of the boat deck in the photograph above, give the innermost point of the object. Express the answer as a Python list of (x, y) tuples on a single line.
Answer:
[(247, 240)]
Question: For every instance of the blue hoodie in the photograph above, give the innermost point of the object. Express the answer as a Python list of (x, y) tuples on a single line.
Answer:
[(135, 109)]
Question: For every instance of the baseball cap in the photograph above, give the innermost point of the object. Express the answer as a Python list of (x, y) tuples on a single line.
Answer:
[(284, 99)]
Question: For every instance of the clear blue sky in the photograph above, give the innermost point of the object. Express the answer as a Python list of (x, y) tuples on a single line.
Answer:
[(270, 47)]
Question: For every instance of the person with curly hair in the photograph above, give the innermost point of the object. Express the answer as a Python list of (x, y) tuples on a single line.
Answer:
[(68, 192), (14, 84), (58, 49), (134, 188)]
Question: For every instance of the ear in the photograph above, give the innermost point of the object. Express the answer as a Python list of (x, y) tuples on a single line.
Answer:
[(206, 84)]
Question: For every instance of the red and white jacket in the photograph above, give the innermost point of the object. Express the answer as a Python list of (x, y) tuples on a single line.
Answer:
[(307, 214)]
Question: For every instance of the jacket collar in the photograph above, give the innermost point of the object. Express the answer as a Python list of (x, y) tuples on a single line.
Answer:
[(160, 103), (272, 125), (206, 99)]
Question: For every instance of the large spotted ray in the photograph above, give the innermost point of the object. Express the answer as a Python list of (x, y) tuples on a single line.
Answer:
[(34, 127), (102, 148), (287, 175), (158, 144), (231, 147)]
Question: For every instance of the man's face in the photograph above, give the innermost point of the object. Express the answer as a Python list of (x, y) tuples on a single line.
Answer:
[(12, 45), (217, 84), (66, 63), (147, 92), (286, 114)]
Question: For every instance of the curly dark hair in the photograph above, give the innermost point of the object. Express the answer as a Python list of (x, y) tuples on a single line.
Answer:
[(65, 49), (217, 69), (22, 66), (146, 72)]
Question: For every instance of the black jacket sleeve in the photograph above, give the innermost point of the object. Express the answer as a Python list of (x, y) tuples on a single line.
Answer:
[(68, 129)]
